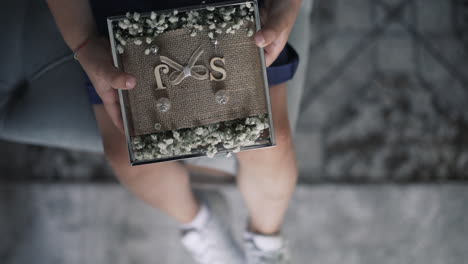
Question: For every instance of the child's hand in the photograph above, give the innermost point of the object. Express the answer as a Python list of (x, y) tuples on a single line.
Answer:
[(278, 18), (96, 60)]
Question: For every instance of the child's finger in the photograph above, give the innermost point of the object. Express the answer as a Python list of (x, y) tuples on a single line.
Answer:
[(272, 52), (113, 110), (117, 79), (265, 37), (274, 23)]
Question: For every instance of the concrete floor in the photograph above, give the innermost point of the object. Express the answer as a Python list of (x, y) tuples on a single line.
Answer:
[(326, 224)]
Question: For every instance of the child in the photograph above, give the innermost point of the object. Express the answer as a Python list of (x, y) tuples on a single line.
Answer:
[(267, 177)]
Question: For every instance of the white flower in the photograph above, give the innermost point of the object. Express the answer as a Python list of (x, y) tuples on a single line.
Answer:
[(138, 41), (138, 156), (169, 141), (149, 40), (260, 126), (210, 8), (176, 135), (164, 151), (148, 156), (122, 25), (136, 16), (211, 35), (173, 19), (161, 145), (120, 49), (153, 15), (250, 33), (199, 131)]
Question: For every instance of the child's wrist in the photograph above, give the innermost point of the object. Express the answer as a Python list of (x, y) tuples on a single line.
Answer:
[(80, 47)]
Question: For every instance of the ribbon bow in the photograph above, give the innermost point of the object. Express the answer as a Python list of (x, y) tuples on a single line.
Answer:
[(198, 72)]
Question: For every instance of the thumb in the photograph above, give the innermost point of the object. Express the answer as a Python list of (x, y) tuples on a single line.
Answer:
[(118, 79), (274, 24), (267, 35)]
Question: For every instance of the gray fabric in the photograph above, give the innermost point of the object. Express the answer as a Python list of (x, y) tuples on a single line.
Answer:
[(55, 115), (10, 50), (42, 89)]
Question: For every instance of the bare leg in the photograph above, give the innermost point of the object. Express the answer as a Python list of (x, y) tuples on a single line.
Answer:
[(268, 177), (165, 186)]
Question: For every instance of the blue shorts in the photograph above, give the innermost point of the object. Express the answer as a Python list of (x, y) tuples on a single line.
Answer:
[(282, 70)]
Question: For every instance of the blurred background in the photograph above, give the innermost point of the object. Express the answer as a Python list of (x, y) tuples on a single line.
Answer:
[(380, 113)]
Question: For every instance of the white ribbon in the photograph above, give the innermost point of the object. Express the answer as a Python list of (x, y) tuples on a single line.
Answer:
[(198, 72)]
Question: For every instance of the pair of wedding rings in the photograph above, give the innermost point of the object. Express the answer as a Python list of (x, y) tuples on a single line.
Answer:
[(164, 104)]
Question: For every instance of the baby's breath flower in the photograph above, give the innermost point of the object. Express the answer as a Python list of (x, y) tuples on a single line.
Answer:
[(136, 16), (199, 131), (120, 49), (137, 41), (173, 19)]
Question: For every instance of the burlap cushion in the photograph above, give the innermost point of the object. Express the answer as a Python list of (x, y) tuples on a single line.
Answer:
[(193, 101)]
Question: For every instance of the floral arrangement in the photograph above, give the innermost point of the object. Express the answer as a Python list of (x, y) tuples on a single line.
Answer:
[(217, 20), (229, 135)]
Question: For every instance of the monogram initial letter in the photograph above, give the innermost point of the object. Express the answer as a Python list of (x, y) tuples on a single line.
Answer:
[(217, 69), (157, 74)]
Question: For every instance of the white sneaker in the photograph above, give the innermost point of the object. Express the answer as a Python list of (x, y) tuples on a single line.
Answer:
[(261, 249), (212, 243)]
